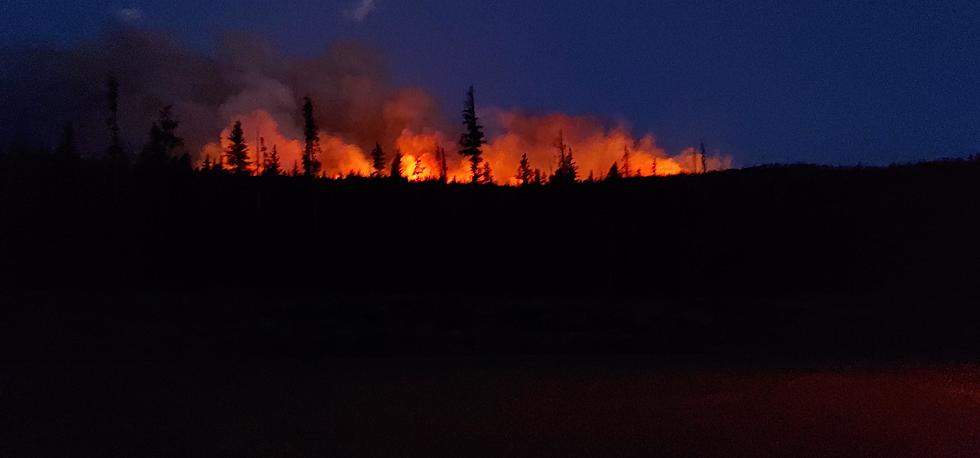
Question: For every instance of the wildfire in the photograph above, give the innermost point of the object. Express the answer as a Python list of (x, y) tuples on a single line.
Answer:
[(595, 148)]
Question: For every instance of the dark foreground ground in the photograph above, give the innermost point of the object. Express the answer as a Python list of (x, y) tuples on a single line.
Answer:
[(776, 311), (259, 373), (540, 406)]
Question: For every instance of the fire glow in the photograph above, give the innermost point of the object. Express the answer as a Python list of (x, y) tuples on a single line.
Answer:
[(595, 148)]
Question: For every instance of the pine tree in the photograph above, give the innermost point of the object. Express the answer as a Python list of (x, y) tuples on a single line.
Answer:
[(270, 166), (704, 161), (377, 161), (418, 171), (654, 171), (260, 156), (567, 171), (473, 139), (524, 173), (486, 174), (311, 151), (443, 166), (115, 151), (164, 143), (613, 173), (295, 171), (237, 152), (627, 168), (397, 169), (538, 177)]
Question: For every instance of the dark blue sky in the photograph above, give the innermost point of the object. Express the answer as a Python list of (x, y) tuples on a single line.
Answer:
[(767, 81)]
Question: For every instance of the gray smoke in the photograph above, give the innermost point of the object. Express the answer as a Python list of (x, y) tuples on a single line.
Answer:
[(46, 87)]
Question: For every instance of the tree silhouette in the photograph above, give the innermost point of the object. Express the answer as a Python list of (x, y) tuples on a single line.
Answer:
[(653, 172), (473, 139), (443, 166), (627, 167), (260, 155), (538, 177), (418, 170), (613, 174), (270, 165), (237, 152), (525, 175), (397, 168), (311, 151), (377, 161), (67, 149), (114, 152), (486, 174), (704, 162), (567, 171), (164, 144)]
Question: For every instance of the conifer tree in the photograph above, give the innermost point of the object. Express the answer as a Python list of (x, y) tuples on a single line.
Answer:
[(311, 150), (538, 177), (443, 166), (270, 166), (654, 171), (627, 167), (237, 152), (613, 173), (524, 173), (704, 161), (473, 139), (377, 161), (164, 144), (418, 169), (295, 171), (397, 168), (567, 171), (486, 174)]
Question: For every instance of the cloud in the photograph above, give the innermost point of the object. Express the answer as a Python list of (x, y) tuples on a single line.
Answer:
[(130, 14), (361, 11)]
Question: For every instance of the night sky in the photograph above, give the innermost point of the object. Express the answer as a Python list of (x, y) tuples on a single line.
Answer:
[(767, 81)]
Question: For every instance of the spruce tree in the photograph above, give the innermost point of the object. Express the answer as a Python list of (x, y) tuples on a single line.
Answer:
[(486, 174), (567, 171), (704, 161), (418, 169), (397, 169), (311, 151), (473, 139), (237, 152), (270, 166), (627, 167), (525, 174), (164, 144), (443, 166), (377, 161), (613, 173)]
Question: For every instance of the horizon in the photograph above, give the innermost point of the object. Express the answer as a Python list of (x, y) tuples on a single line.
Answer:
[(894, 110)]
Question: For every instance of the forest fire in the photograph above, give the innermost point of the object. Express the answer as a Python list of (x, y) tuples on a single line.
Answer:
[(595, 149)]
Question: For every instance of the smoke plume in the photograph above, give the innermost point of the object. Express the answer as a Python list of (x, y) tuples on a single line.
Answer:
[(249, 80)]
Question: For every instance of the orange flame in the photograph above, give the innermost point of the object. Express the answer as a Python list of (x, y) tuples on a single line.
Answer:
[(595, 147)]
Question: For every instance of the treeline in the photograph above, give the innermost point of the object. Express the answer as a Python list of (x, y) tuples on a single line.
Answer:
[(159, 222), (165, 151)]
